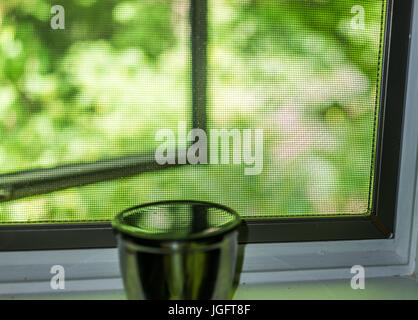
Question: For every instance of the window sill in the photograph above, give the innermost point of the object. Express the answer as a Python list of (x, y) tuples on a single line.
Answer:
[(404, 288)]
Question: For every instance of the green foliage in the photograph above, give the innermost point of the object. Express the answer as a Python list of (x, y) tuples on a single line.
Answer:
[(120, 71)]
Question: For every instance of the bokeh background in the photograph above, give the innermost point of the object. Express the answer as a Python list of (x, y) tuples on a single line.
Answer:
[(120, 71)]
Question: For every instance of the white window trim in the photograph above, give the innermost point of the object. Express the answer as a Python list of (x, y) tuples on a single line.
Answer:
[(28, 272)]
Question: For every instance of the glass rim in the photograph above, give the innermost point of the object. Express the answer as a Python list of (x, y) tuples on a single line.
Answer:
[(120, 226)]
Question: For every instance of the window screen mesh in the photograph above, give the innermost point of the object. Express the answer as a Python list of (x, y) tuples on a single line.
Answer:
[(306, 72), (99, 88)]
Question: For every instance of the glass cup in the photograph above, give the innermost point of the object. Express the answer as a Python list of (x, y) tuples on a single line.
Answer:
[(178, 250)]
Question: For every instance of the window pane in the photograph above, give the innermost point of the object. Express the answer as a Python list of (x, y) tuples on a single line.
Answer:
[(309, 74), (306, 72), (99, 88)]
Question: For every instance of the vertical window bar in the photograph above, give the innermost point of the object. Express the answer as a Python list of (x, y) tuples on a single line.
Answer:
[(199, 37)]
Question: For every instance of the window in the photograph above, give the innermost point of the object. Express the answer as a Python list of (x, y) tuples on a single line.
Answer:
[(80, 109)]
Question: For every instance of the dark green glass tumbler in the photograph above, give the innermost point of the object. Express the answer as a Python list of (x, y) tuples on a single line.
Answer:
[(177, 250)]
